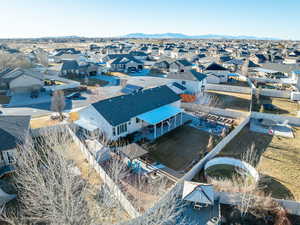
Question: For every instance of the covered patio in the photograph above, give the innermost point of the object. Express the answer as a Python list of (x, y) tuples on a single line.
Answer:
[(161, 120)]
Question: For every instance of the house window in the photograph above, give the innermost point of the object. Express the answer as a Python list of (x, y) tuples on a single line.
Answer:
[(137, 120), (183, 82), (10, 157), (114, 131)]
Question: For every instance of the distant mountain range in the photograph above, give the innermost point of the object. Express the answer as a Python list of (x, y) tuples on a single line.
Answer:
[(184, 36)]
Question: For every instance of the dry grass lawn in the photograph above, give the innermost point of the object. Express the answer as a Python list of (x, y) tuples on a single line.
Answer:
[(285, 107), (278, 160), (94, 181), (4, 99), (46, 121), (232, 101), (178, 148)]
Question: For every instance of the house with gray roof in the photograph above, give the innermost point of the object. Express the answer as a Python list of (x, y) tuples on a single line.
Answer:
[(126, 114), (21, 80), (216, 73), (180, 65), (191, 80), (123, 63), (14, 131)]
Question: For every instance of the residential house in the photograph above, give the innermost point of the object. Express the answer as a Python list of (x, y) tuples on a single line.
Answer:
[(162, 65), (123, 63), (167, 51), (191, 81), (216, 73), (180, 65), (14, 131), (154, 51), (62, 54), (258, 58), (71, 67), (22, 81), (123, 115), (142, 56)]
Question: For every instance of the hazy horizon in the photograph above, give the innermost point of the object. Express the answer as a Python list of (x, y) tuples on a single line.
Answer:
[(98, 18)]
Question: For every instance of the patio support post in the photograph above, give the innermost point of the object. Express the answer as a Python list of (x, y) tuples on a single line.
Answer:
[(181, 118)]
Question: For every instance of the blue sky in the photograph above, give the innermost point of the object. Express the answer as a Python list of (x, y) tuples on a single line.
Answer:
[(103, 18)]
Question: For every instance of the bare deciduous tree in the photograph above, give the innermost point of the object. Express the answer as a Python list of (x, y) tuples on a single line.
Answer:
[(13, 61), (49, 192), (210, 143), (244, 68), (96, 94), (58, 103), (169, 210)]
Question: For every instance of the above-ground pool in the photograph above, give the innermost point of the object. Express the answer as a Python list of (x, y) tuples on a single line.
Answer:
[(227, 167)]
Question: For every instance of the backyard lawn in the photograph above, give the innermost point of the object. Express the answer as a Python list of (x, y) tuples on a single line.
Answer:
[(180, 147), (278, 160), (46, 121), (233, 101)]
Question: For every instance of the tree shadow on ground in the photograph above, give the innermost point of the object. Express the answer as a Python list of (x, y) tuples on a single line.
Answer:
[(275, 187)]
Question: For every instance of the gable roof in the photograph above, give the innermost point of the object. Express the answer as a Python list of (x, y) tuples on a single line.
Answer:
[(13, 131), (138, 53), (13, 74), (120, 109), (184, 62), (69, 65), (252, 64), (121, 59), (215, 66), (284, 68), (192, 75), (200, 193)]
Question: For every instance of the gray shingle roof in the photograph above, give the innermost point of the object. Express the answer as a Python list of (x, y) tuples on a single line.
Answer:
[(120, 109), (215, 66), (13, 130), (184, 62), (284, 68), (69, 65), (188, 75)]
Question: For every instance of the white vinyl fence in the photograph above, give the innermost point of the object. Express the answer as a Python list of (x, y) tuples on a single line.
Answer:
[(218, 148), (228, 88), (126, 204)]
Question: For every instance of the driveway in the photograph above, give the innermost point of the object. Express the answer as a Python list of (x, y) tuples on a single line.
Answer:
[(25, 99)]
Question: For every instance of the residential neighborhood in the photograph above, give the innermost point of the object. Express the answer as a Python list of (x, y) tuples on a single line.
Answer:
[(146, 129)]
